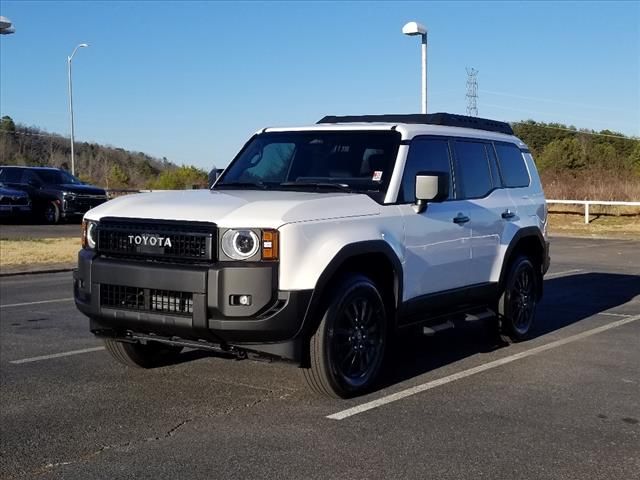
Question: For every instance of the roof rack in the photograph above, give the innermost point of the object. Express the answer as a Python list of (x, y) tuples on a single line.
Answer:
[(446, 119)]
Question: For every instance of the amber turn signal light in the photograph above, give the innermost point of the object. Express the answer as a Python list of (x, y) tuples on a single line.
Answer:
[(270, 245)]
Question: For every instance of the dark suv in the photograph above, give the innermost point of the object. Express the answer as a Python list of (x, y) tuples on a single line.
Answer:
[(55, 193)]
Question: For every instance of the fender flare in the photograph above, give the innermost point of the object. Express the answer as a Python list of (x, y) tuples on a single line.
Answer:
[(345, 253), (526, 232)]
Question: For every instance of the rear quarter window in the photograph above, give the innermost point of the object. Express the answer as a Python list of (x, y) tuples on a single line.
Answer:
[(514, 170)]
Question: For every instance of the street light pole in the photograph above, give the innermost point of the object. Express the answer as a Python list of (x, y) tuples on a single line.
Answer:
[(424, 72), (69, 58), (412, 29)]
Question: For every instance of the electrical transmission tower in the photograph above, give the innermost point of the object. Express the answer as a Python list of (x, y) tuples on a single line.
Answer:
[(472, 92)]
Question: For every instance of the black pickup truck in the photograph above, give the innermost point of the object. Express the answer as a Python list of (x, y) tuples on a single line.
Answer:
[(55, 194)]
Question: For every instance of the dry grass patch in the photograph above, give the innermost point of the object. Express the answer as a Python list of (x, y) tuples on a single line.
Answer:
[(619, 226), (38, 251)]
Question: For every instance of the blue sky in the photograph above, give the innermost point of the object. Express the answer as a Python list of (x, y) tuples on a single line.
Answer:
[(192, 80)]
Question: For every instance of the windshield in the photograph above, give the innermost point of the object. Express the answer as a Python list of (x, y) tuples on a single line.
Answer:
[(57, 177), (359, 161)]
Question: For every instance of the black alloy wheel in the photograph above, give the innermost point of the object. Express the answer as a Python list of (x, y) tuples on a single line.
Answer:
[(519, 300), (347, 350)]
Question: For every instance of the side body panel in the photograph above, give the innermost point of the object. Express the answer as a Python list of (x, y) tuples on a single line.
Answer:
[(437, 250), (528, 205), (307, 248)]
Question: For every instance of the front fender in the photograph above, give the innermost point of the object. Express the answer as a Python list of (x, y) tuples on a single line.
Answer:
[(307, 249)]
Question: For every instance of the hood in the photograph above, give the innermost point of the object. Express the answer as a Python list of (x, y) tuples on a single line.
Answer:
[(11, 192), (78, 188), (238, 208)]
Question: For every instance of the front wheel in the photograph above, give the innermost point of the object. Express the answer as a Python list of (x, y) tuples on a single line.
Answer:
[(52, 213), (347, 349), (517, 305), (140, 355)]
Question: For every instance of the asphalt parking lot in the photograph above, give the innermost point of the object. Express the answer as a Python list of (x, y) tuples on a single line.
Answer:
[(564, 405)]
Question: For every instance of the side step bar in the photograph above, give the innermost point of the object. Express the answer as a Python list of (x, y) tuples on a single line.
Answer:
[(432, 329)]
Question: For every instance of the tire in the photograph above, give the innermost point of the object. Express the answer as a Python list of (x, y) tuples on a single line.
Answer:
[(347, 349), (137, 355), (518, 302), (51, 213)]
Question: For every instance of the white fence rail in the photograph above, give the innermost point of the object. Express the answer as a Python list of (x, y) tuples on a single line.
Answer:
[(587, 203)]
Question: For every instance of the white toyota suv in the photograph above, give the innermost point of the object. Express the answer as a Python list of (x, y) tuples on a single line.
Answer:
[(317, 243)]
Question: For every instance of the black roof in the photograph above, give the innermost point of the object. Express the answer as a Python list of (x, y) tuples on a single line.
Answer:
[(446, 119)]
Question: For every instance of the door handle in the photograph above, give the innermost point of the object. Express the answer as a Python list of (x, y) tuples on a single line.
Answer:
[(460, 219), (508, 214)]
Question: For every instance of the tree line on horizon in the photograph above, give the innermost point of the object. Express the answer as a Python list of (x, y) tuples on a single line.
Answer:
[(565, 156), (559, 147), (106, 166)]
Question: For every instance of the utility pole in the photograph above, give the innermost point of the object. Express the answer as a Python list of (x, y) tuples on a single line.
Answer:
[(472, 92)]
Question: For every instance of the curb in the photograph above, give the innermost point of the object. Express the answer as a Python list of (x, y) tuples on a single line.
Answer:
[(37, 272)]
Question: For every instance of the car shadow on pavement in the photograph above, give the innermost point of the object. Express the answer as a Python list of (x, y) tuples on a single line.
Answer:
[(567, 300)]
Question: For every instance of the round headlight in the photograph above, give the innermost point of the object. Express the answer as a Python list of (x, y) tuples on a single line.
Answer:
[(92, 234), (240, 244)]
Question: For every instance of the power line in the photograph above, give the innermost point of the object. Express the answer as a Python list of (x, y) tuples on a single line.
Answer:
[(548, 100), (620, 137), (472, 92)]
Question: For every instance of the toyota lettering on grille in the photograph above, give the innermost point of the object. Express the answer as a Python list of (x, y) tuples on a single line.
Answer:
[(150, 240)]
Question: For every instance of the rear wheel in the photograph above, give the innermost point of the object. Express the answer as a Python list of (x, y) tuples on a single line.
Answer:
[(138, 355), (347, 349), (518, 302)]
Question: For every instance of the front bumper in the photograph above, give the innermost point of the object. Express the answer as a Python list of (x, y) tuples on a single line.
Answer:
[(9, 209), (150, 297)]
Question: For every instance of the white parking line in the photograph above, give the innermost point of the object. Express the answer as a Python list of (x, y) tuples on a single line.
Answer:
[(57, 300), (56, 355), (612, 314), (472, 371), (562, 274)]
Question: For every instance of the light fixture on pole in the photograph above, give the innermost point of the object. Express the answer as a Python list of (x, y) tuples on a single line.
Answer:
[(414, 28), (69, 58), (6, 27)]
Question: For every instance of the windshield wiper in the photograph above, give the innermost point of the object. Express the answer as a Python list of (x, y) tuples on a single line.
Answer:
[(242, 185), (318, 185)]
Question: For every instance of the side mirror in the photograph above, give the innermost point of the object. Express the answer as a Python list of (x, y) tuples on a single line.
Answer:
[(430, 187), (213, 176)]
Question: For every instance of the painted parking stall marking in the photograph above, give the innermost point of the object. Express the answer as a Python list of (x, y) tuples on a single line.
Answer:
[(472, 371), (56, 355), (41, 302), (562, 274)]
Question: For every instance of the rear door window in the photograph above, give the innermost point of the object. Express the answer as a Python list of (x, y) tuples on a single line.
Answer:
[(30, 177), (473, 174), (425, 154), (514, 171)]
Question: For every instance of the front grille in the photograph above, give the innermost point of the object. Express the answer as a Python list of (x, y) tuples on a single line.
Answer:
[(146, 299), (83, 203), (170, 241)]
